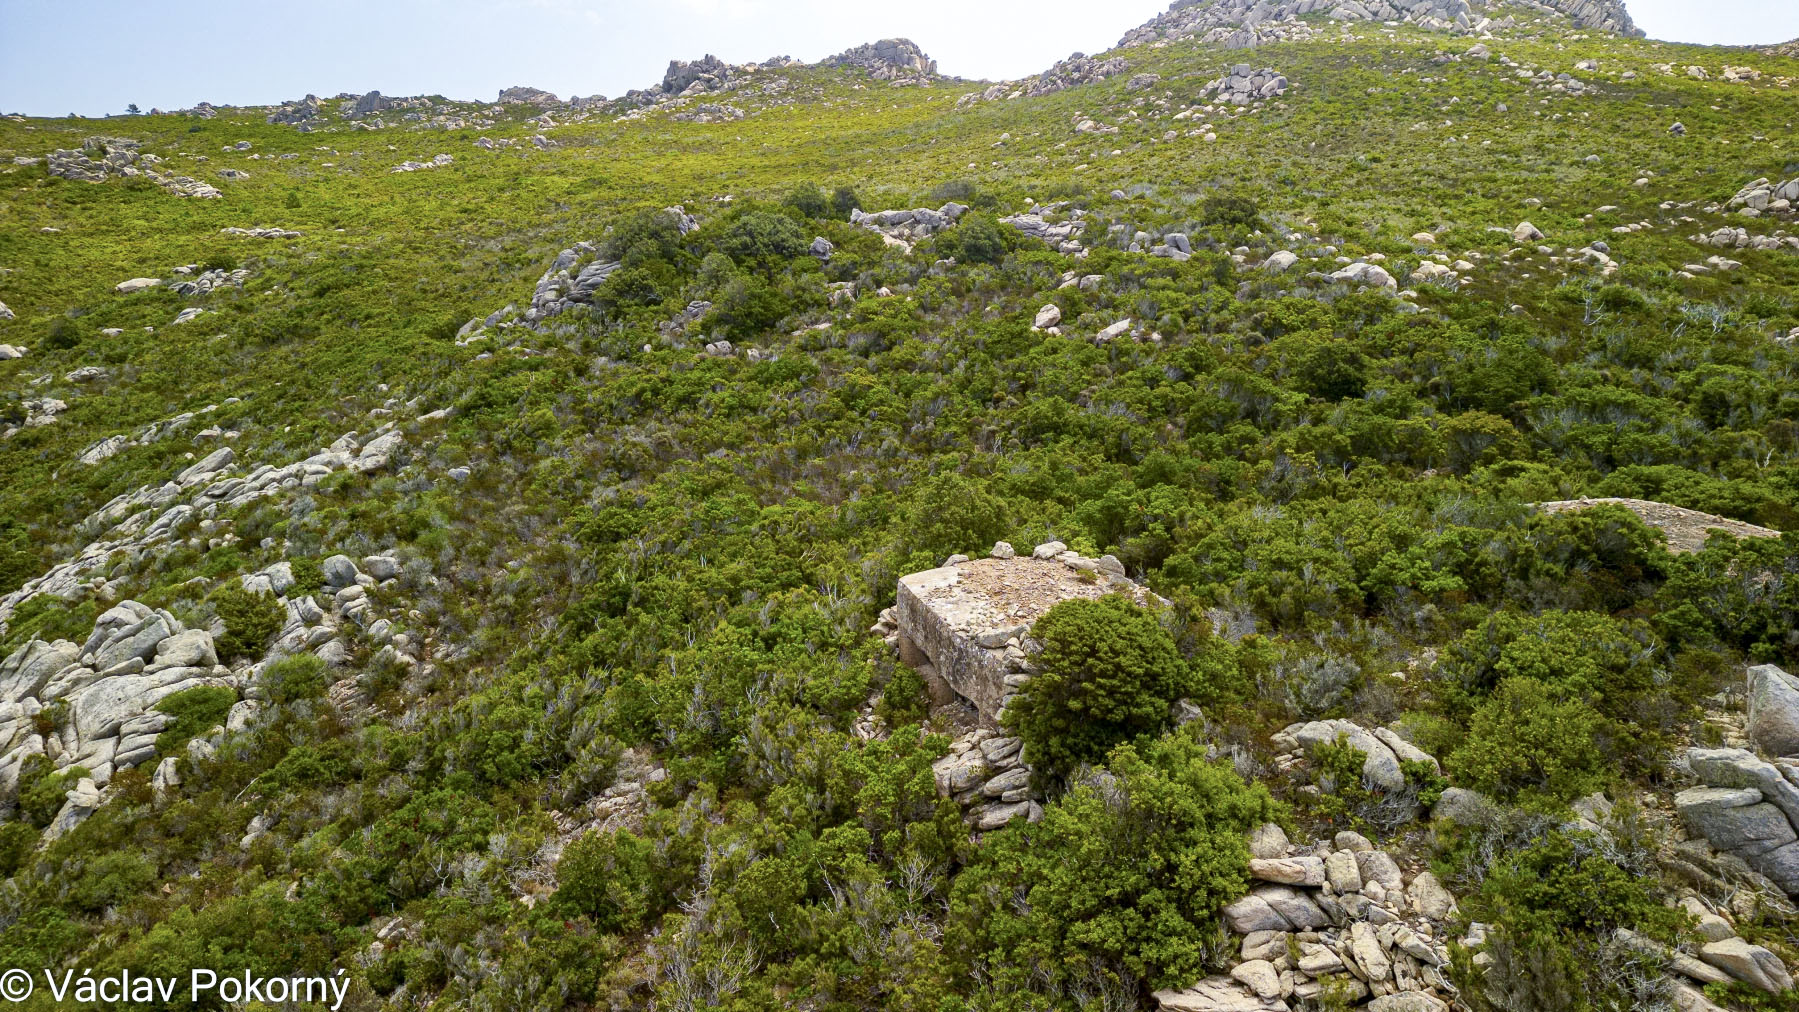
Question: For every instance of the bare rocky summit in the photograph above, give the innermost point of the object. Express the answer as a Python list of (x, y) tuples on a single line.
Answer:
[(1687, 530)]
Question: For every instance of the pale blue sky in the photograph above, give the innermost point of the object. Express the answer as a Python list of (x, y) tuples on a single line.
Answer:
[(95, 56)]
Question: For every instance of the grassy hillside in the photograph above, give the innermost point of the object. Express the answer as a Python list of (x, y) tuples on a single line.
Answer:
[(628, 765)]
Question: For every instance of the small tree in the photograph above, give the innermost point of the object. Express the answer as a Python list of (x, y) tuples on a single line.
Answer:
[(1525, 741), (1109, 674)]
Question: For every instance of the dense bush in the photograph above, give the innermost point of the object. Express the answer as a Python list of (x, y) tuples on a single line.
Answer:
[(196, 711), (1128, 872), (1108, 673), (1529, 740), (251, 620), (294, 678), (1552, 908)]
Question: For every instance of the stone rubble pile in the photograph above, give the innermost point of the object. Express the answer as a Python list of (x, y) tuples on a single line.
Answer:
[(986, 774), (1244, 84), (1336, 918)]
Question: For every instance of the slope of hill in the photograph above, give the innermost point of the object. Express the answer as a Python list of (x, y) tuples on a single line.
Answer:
[(456, 542)]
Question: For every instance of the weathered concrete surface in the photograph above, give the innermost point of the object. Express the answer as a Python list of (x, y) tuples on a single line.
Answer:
[(969, 620)]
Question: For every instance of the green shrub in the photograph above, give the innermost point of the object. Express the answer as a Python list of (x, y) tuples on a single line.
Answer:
[(843, 201), (1551, 909), (42, 790), (17, 841), (763, 238), (1585, 655), (108, 878), (294, 678), (1131, 875), (808, 200), (1530, 741), (978, 238), (196, 711), (1227, 209), (1108, 673), (606, 877), (251, 620)]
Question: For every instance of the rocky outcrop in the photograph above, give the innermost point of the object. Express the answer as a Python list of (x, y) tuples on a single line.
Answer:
[(303, 115), (1073, 72), (1063, 235), (92, 704), (524, 95), (1338, 917), (369, 105), (1687, 530), (1763, 197), (967, 623), (102, 158), (1773, 724), (709, 73), (1384, 748), (138, 522), (1244, 84), (1727, 237), (888, 60), (902, 227), (1244, 23), (1749, 808)]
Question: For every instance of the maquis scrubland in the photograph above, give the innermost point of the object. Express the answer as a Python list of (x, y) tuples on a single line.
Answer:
[(1286, 513)]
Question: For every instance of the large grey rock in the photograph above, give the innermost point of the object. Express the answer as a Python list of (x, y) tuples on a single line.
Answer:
[(191, 648), (1379, 866), (137, 640), (1773, 723), (1344, 875), (1299, 871), (1408, 1001), (1268, 841), (1751, 964), (1429, 897), (339, 571), (1735, 767), (1217, 994), (1734, 819), (1251, 914), (1260, 976), (1463, 807), (1381, 767), (1293, 905), (25, 670)]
